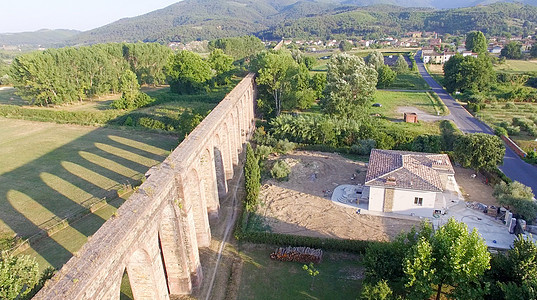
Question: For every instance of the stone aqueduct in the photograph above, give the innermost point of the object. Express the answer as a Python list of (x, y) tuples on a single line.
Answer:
[(156, 233)]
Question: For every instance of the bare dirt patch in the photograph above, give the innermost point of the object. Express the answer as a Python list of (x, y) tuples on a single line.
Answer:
[(474, 188), (422, 116), (298, 206)]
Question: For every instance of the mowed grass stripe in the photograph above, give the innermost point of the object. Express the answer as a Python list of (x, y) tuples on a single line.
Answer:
[(52, 171)]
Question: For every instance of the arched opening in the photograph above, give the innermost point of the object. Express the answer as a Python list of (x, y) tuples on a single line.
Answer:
[(195, 194), (219, 168), (141, 278), (209, 184), (174, 252), (226, 144), (125, 290)]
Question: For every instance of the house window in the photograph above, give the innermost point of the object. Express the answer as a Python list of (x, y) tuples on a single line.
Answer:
[(418, 201)]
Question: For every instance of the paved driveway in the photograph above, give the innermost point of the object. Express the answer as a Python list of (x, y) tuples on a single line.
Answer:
[(514, 167)]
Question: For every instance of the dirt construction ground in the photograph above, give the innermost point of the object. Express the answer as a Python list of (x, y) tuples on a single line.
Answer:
[(299, 205), (474, 188)]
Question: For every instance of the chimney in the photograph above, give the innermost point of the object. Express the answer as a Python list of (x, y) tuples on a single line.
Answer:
[(391, 181)]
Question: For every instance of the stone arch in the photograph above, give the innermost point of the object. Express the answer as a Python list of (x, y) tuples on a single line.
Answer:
[(219, 167), (195, 194), (227, 153), (174, 252), (144, 284), (208, 181), (235, 133)]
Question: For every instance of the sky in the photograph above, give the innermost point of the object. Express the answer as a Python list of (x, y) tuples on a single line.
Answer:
[(31, 15)]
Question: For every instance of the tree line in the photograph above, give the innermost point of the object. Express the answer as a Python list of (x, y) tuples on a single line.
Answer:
[(58, 76)]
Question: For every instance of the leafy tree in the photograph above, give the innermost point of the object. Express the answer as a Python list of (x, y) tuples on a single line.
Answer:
[(518, 197), (479, 151), (401, 66), (468, 73), (281, 79), (513, 275), (350, 86), (380, 291), (512, 50), (385, 77), (187, 72), (385, 261), (312, 271), (252, 178), (238, 47), (345, 46), (221, 64), (476, 42), (18, 275), (375, 59), (450, 257), (533, 51)]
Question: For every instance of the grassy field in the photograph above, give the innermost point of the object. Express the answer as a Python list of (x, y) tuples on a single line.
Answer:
[(262, 278), (409, 81), (49, 171), (494, 114), (518, 66), (392, 100)]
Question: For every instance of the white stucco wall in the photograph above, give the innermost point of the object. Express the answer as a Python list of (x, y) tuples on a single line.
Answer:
[(403, 201), (376, 198)]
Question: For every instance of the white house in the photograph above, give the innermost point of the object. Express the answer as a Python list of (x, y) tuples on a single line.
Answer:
[(408, 183)]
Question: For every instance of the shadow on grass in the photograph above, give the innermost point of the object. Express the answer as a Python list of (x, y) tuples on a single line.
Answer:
[(61, 182)]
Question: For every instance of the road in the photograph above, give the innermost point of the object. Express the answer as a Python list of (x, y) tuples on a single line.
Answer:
[(514, 167)]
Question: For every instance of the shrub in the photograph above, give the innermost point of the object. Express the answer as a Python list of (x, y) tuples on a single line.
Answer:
[(284, 146), (263, 151), (499, 131), (280, 170), (252, 179), (363, 147), (380, 291), (510, 106)]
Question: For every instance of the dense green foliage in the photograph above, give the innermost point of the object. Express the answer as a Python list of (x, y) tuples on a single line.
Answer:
[(238, 47), (468, 73), (479, 151), (533, 50), (345, 46), (252, 179), (18, 275), (513, 274), (350, 84), (380, 291), (58, 76), (418, 264), (401, 66), (518, 197), (512, 50), (280, 170), (386, 76), (188, 72), (450, 256), (284, 83), (192, 20), (476, 42)]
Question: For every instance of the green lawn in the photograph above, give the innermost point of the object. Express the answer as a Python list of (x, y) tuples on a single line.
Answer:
[(392, 100), (262, 278), (409, 81), (518, 66), (48, 171)]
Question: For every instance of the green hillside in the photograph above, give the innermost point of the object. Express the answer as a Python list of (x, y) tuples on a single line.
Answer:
[(44, 37), (272, 19)]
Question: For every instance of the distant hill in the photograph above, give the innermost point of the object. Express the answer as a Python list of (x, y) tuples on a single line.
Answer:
[(209, 19), (43, 37)]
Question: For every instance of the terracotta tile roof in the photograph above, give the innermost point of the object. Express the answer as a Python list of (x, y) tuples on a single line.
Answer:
[(407, 170)]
